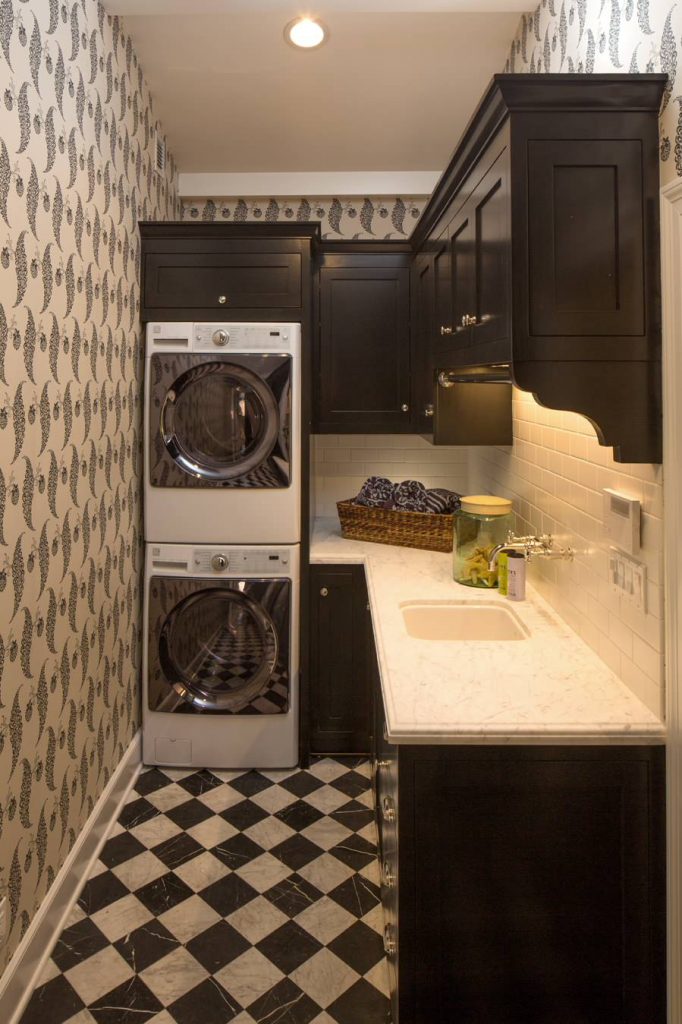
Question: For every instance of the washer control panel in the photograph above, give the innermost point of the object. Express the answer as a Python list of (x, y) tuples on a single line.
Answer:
[(241, 561), (242, 337)]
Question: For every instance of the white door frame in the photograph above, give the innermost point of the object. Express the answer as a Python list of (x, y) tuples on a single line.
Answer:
[(671, 287)]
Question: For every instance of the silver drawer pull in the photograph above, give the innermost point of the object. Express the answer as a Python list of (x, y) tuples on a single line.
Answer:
[(388, 875), (383, 764), (390, 944), (446, 330), (388, 809)]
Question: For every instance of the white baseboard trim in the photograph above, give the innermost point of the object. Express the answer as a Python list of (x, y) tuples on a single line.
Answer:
[(25, 967)]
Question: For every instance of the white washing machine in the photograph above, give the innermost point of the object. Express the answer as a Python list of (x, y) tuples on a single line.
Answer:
[(223, 433), (221, 656)]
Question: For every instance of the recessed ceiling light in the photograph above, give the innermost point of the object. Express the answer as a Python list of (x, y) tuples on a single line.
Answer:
[(305, 32)]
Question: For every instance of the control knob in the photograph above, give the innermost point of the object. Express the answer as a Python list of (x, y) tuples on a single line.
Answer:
[(219, 563), (220, 337)]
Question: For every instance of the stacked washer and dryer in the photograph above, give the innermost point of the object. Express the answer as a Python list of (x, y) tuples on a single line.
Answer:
[(222, 527)]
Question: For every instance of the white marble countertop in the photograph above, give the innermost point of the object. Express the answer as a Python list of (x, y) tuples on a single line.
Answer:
[(548, 688)]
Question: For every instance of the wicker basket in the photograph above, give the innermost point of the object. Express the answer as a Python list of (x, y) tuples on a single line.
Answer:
[(406, 529)]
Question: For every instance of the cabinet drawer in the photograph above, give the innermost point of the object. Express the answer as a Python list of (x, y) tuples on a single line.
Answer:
[(223, 281)]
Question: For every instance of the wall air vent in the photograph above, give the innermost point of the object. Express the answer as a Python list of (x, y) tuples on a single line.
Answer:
[(159, 153)]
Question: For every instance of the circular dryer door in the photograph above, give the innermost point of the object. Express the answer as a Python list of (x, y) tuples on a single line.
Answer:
[(219, 421), (218, 648)]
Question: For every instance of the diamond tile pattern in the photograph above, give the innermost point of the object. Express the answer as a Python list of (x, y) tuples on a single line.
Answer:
[(228, 896)]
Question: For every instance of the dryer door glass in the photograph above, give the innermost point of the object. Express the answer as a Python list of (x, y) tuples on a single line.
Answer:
[(219, 648), (219, 421)]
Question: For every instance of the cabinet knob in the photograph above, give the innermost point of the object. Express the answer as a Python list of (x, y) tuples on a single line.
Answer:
[(324, 592), (388, 809), (465, 320), (428, 410), (390, 945), (446, 330), (404, 407), (222, 299), (472, 320)]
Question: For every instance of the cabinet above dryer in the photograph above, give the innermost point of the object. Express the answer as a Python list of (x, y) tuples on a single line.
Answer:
[(543, 235), (224, 271)]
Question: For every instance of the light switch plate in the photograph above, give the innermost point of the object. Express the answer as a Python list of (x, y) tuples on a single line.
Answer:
[(628, 578)]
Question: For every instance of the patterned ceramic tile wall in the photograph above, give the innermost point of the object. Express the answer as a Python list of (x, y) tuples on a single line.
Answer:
[(602, 36), (342, 462), (378, 217), (76, 142), (555, 473)]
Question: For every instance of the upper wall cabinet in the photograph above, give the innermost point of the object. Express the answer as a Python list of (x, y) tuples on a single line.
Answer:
[(222, 271), (362, 364), (543, 234)]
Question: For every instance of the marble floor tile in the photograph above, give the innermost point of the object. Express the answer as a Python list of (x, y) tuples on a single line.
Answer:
[(238, 897), (174, 975), (249, 976), (99, 974)]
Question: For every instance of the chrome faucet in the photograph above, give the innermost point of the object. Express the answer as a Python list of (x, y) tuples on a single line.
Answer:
[(530, 547)]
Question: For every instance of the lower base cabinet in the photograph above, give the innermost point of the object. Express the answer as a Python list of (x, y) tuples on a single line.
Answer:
[(522, 885), (341, 643)]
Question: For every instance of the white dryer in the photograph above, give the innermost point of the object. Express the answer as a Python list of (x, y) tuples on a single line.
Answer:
[(221, 656), (223, 433)]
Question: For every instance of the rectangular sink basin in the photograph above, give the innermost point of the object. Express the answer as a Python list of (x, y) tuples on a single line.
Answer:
[(461, 621)]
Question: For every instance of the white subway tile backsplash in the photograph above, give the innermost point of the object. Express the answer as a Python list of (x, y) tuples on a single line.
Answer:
[(342, 463), (555, 472)]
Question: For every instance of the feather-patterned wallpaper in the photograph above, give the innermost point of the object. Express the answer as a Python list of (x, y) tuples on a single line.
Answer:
[(76, 142), (606, 36), (378, 217)]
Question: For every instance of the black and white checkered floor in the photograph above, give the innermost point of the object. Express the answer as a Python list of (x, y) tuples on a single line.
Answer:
[(227, 896)]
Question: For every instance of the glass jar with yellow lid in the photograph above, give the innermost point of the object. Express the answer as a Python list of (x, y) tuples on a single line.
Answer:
[(482, 522)]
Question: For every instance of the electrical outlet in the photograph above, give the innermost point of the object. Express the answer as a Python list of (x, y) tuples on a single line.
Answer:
[(628, 578)]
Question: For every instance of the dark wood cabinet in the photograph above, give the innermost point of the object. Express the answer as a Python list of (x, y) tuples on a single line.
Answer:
[(546, 222), (473, 307), (362, 365), (523, 885), (225, 271), (340, 687)]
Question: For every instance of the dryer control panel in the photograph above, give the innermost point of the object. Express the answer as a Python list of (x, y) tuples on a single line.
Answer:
[(244, 337), (241, 561)]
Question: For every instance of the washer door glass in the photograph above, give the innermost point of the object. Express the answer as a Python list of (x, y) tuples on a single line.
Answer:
[(219, 421), (218, 649)]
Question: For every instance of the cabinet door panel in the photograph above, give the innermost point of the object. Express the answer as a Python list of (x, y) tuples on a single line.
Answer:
[(586, 192), (491, 306), (442, 275), (364, 359), (340, 686), (245, 279), (535, 882), (422, 320)]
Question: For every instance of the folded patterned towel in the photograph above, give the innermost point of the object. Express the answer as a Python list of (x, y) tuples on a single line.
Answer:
[(442, 501), (410, 496), (376, 492)]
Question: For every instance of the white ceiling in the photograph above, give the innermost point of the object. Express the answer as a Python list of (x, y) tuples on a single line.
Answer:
[(391, 89)]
